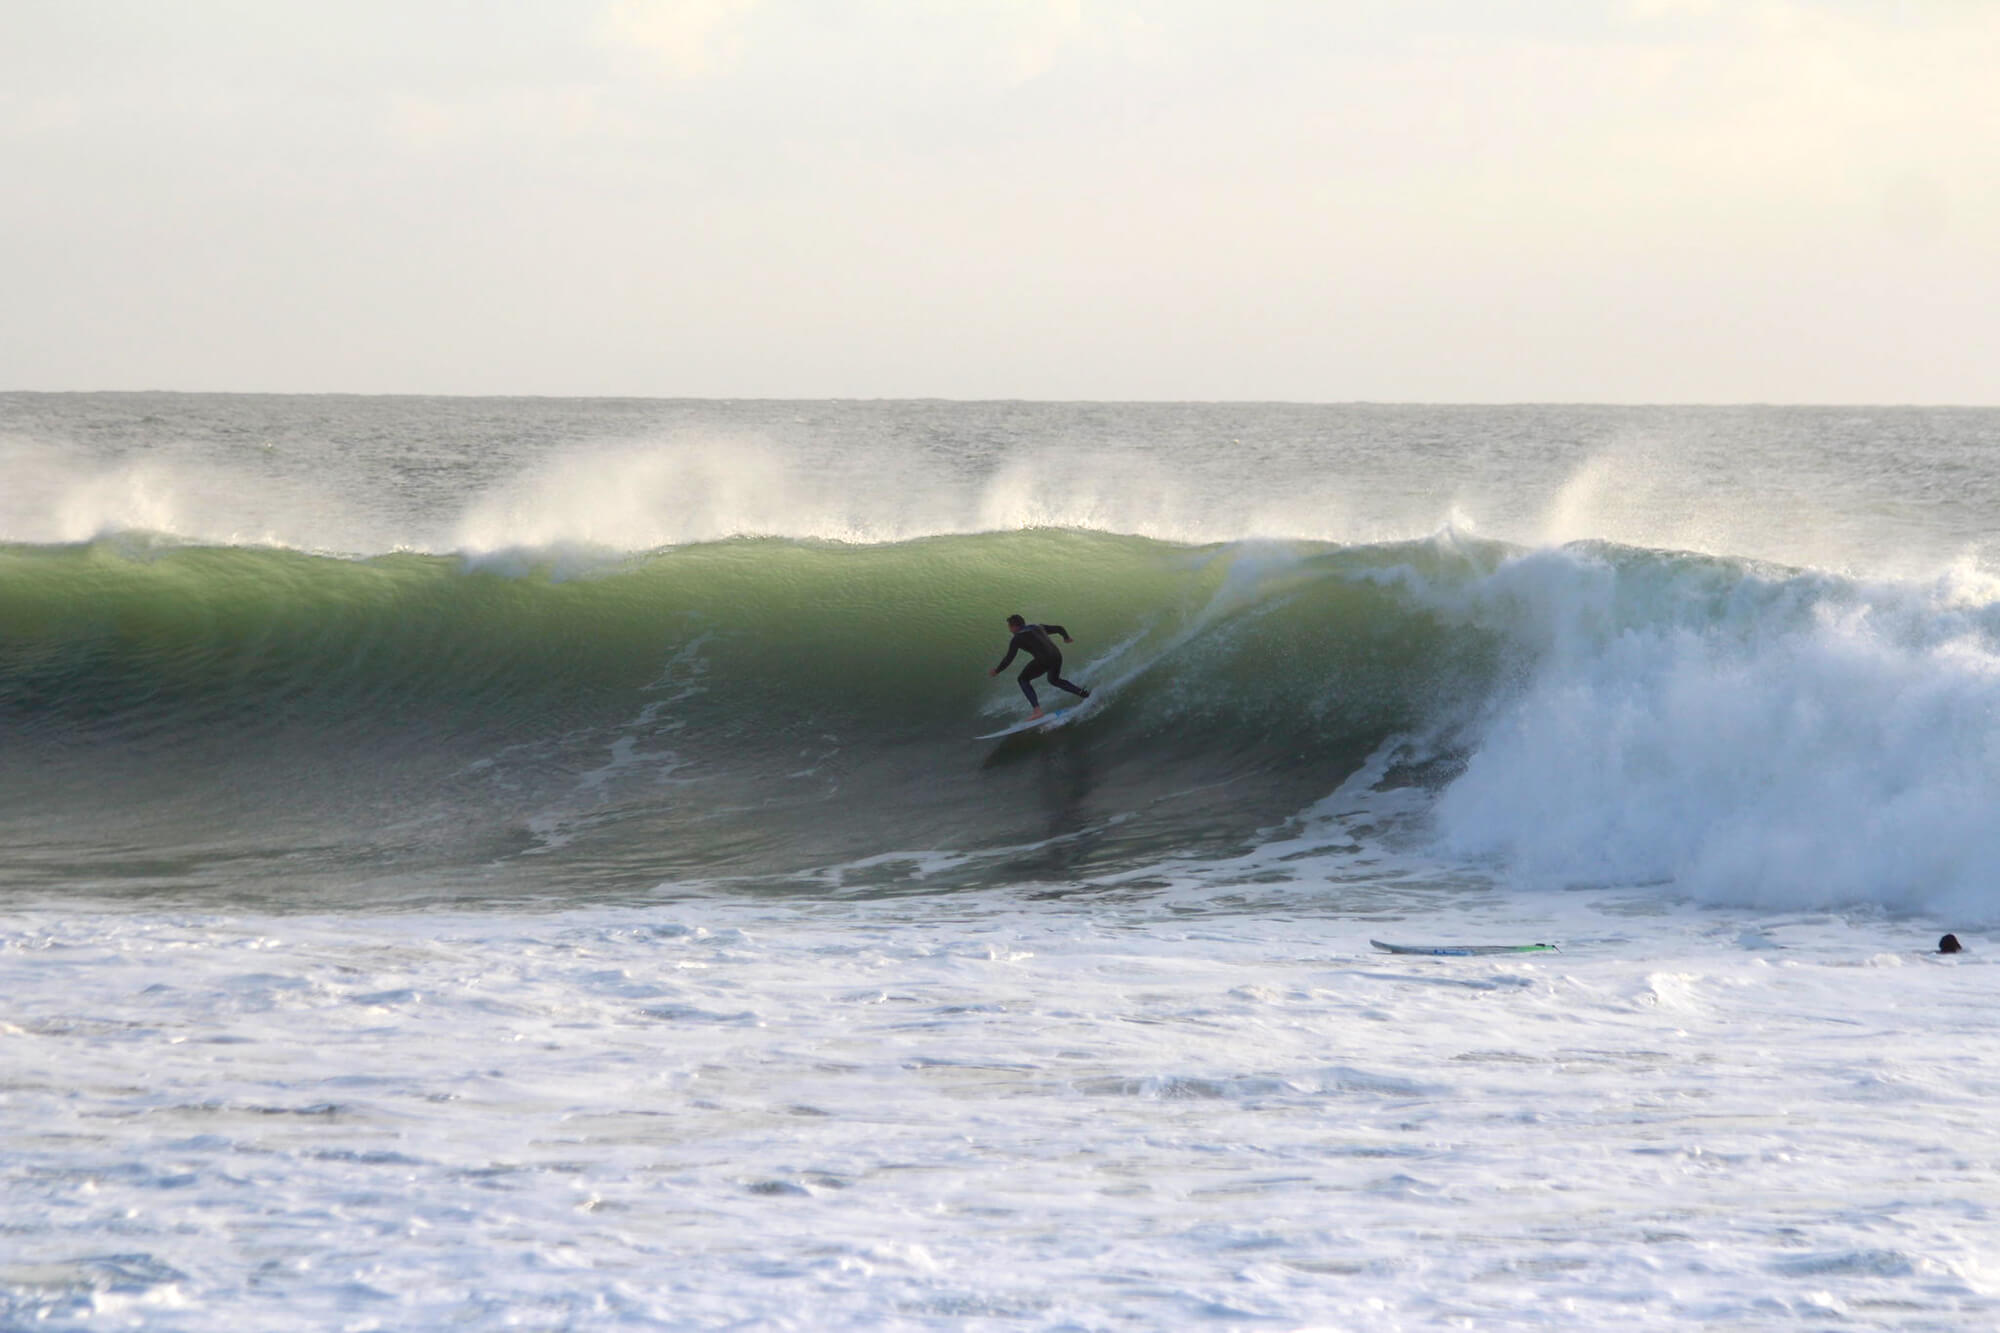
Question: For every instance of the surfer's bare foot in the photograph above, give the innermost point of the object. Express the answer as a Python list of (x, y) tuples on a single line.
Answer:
[(1032, 716)]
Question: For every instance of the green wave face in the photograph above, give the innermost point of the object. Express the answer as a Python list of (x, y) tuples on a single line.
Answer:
[(746, 708)]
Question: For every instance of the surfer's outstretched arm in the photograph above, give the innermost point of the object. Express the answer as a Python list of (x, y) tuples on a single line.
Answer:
[(1058, 629)]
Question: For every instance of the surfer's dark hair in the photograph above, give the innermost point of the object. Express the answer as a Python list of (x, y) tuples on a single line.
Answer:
[(1017, 619), (1949, 944)]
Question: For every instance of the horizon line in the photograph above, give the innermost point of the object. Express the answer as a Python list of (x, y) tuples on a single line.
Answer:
[(972, 401)]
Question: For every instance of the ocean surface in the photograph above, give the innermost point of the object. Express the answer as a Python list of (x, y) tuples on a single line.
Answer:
[(525, 863)]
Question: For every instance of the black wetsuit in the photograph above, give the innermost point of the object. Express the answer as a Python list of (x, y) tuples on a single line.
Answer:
[(1044, 657)]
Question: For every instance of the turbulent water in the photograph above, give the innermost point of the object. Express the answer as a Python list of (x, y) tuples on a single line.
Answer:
[(553, 831)]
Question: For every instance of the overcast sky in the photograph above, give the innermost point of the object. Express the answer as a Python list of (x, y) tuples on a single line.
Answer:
[(1396, 200)]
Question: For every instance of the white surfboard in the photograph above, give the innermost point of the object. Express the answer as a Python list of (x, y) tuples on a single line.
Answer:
[(1053, 718), (1037, 723), (1463, 950)]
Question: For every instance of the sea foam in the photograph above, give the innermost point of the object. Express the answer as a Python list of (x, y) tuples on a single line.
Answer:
[(1748, 737)]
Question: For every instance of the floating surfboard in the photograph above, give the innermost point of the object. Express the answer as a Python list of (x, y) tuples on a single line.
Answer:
[(1055, 717), (1463, 950)]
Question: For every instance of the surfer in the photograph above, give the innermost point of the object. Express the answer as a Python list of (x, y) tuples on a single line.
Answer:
[(1044, 658)]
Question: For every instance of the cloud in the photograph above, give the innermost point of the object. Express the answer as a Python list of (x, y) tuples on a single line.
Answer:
[(1045, 33), (1654, 9), (685, 38), (28, 117), (517, 117)]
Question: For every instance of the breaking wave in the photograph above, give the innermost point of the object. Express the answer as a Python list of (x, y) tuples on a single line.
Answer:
[(1588, 714)]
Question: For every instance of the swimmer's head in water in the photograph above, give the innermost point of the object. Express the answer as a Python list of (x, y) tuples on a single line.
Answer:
[(1949, 944)]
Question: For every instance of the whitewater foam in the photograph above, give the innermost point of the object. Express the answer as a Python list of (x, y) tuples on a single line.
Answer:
[(867, 1114), (1745, 737)]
